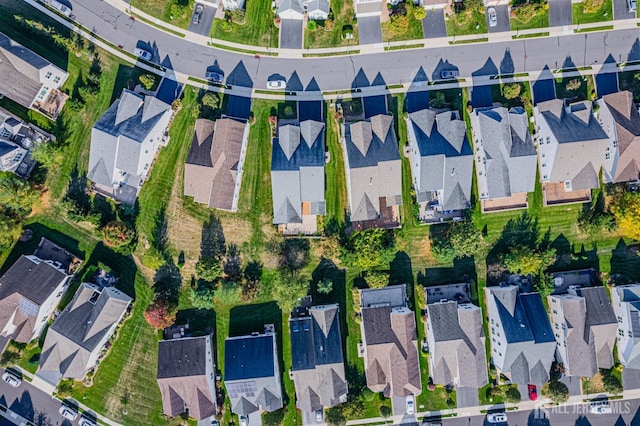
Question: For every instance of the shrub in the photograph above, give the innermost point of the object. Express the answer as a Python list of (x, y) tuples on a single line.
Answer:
[(211, 100), (209, 269), (527, 11), (591, 6), (512, 395), (119, 236), (147, 80), (160, 315), (377, 279), (176, 105), (419, 13), (312, 25), (384, 410), (226, 26), (325, 286), (201, 295), (511, 90), (368, 395), (573, 84), (237, 16), (368, 249), (558, 392)]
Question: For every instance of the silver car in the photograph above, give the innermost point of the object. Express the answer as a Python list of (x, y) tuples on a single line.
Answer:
[(493, 17)]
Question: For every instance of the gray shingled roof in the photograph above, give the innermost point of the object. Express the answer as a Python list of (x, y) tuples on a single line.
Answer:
[(627, 124), (299, 6), (34, 279)]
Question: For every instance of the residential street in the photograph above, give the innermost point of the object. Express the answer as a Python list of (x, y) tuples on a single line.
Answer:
[(338, 72), (30, 403)]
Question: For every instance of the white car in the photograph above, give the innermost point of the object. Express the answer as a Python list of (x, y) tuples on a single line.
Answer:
[(84, 421), (496, 418), (64, 9), (600, 407), (410, 404), (493, 17), (11, 379), (68, 413), (631, 4), (276, 84), (244, 420), (144, 54), (319, 416)]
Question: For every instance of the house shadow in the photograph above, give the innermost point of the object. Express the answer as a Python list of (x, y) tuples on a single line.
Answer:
[(23, 406), (123, 267), (634, 53), (582, 421), (294, 84), (463, 270), (376, 104), (360, 80), (544, 88), (312, 86), (506, 65), (127, 78), (607, 82), (417, 98), (538, 417), (625, 263), (239, 76), (401, 272), (568, 64), (480, 95), (201, 321), (442, 65)]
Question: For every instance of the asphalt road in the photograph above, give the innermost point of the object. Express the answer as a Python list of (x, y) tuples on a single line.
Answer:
[(624, 413), (31, 403)]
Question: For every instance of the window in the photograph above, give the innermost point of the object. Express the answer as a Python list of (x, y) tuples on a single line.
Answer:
[(621, 333), (548, 139), (615, 143), (56, 79), (48, 75), (555, 312), (629, 333), (544, 164), (607, 156), (556, 326), (545, 177), (620, 319)]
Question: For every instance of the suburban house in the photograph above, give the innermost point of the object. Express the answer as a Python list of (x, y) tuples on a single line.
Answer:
[(295, 9), (76, 337), (317, 362), (585, 329), (456, 342), (505, 157), (232, 4), (297, 176), (522, 340), (620, 119), (30, 80), (30, 291), (374, 172), (625, 300), (251, 373), (390, 342), (126, 139), (213, 171), (433, 4), (572, 145), (441, 162), (16, 138), (186, 377), (11, 156)]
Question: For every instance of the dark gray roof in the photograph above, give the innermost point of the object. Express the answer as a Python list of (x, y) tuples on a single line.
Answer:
[(316, 343), (538, 319), (248, 357), (529, 320), (33, 59), (377, 325), (182, 357), (394, 296), (444, 321), (378, 142), (576, 124), (35, 281), (599, 310), (6, 148)]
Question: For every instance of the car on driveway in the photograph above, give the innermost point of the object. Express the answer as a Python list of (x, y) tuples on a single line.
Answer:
[(68, 412), (215, 422), (11, 379), (197, 13), (631, 4), (533, 392), (600, 407), (410, 404), (144, 54), (493, 17), (244, 420), (319, 416), (279, 84), (495, 418), (85, 421)]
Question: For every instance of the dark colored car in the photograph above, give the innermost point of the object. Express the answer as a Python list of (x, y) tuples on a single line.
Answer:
[(449, 74), (214, 77)]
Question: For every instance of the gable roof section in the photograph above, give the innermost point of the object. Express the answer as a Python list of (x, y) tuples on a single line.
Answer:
[(627, 123), (182, 357), (32, 278), (249, 357)]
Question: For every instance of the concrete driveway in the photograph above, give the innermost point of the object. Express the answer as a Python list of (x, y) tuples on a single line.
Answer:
[(621, 10), (502, 13), (433, 25), (559, 13), (369, 30), (291, 34), (206, 21)]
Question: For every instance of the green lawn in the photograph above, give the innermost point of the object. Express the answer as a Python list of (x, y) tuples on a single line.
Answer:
[(258, 29), (466, 22), (336, 191), (322, 36), (605, 13), (540, 19), (523, 100), (176, 12), (406, 28), (583, 92)]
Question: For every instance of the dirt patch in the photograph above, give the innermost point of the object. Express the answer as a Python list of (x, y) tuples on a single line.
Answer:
[(593, 385)]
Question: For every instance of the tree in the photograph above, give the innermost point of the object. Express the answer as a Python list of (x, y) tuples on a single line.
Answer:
[(377, 279), (209, 269), (294, 254), (160, 315), (312, 25), (558, 392), (465, 238), (441, 249), (626, 210), (201, 295), (119, 236), (287, 291), (369, 249), (9, 358), (176, 105), (419, 13), (334, 416), (147, 80), (253, 271), (611, 383), (384, 410), (17, 196), (438, 99), (511, 90), (325, 286), (544, 284), (524, 260), (232, 264), (9, 231), (211, 100), (46, 154), (512, 395)]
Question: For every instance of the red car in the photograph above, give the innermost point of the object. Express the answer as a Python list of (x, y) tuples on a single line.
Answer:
[(533, 393)]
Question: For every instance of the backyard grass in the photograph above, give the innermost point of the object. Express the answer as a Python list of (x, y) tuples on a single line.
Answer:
[(605, 13), (323, 37), (627, 81), (258, 29), (336, 191), (466, 22), (400, 30), (176, 12), (538, 20), (584, 91)]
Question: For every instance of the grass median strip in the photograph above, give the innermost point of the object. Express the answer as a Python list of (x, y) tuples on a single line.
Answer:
[(588, 30), (519, 36), (407, 46), (475, 40)]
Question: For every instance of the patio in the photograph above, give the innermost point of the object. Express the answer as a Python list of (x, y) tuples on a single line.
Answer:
[(556, 193), (515, 202), (460, 293)]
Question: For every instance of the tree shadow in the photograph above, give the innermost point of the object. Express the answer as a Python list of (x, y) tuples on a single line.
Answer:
[(166, 284), (160, 233), (463, 270), (213, 241), (625, 263), (360, 80)]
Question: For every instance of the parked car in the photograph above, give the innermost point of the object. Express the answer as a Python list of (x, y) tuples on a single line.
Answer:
[(214, 422), (631, 4), (319, 416), (11, 379), (244, 420), (214, 77), (85, 421), (63, 8), (493, 17), (600, 407), (494, 418), (533, 392), (410, 404), (279, 84), (68, 412), (197, 13), (144, 54), (449, 74)]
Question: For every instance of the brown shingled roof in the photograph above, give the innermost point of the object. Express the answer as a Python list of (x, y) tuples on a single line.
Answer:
[(627, 121)]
